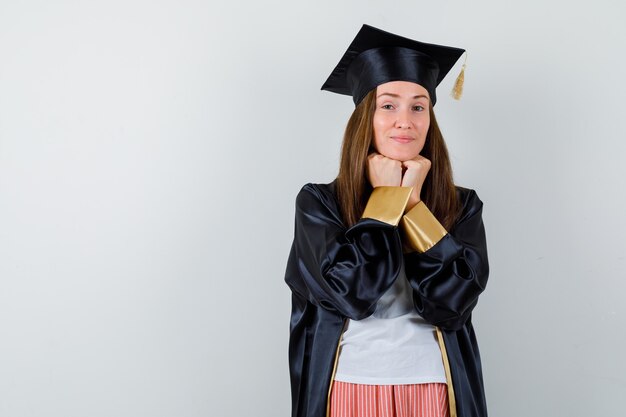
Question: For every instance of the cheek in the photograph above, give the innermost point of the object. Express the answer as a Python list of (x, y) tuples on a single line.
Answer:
[(422, 128), (378, 124), (423, 123)]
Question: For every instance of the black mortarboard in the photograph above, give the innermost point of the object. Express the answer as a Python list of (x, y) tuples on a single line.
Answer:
[(375, 57)]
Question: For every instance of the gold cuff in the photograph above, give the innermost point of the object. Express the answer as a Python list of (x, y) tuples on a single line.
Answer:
[(387, 203), (421, 229)]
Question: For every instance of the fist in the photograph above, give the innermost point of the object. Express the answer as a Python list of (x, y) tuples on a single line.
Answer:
[(414, 176), (383, 171)]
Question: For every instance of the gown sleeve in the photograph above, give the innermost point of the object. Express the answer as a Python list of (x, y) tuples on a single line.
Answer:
[(447, 270), (346, 270)]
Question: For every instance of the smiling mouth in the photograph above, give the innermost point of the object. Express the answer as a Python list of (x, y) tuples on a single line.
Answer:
[(402, 139)]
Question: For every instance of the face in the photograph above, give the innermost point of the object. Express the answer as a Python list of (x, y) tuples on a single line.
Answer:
[(401, 119)]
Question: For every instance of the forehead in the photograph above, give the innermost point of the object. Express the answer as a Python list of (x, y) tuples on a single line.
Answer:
[(401, 88)]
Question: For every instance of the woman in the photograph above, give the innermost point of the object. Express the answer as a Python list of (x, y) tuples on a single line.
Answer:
[(388, 260)]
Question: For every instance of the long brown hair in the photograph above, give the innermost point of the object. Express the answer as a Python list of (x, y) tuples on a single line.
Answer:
[(353, 187)]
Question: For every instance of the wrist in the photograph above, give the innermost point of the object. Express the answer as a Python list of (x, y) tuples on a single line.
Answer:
[(412, 203)]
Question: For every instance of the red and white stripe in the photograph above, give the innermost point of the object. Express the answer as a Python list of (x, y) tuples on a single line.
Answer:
[(411, 400)]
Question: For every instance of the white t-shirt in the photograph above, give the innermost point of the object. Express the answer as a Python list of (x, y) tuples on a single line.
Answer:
[(393, 346)]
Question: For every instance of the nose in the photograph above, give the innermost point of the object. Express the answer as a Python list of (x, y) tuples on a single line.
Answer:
[(403, 121)]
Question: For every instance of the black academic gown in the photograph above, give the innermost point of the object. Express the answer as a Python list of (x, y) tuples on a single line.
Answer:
[(338, 273)]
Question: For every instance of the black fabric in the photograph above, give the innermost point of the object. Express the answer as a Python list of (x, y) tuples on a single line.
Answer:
[(337, 273), (375, 57), (380, 65)]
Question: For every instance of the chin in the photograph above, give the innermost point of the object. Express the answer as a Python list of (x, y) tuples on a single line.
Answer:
[(400, 156)]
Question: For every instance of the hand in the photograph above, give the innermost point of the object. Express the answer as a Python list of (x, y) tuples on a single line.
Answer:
[(383, 171), (414, 176)]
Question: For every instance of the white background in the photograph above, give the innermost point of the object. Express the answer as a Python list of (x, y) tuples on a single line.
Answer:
[(151, 151)]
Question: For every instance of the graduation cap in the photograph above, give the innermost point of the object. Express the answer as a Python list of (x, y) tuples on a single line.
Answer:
[(375, 57)]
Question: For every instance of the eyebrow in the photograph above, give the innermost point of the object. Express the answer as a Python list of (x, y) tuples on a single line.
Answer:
[(396, 95)]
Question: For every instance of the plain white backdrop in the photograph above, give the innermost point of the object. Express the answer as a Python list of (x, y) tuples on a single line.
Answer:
[(151, 152)]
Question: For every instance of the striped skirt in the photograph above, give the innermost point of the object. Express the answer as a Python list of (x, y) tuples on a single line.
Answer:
[(412, 400)]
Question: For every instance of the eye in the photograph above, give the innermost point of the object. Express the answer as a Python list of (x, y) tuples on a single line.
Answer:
[(418, 108), (386, 106)]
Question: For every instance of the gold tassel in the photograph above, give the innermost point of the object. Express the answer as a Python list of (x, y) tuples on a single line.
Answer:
[(457, 90)]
